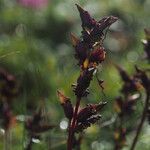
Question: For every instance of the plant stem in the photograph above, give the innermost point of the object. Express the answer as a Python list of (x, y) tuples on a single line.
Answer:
[(141, 122), (72, 125)]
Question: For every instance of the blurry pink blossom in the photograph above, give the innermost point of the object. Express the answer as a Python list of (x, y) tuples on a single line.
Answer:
[(33, 3)]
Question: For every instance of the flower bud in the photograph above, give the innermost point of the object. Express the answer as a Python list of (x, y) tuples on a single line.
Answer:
[(97, 55), (85, 113), (66, 104), (83, 82), (87, 20), (74, 39), (85, 124), (81, 52)]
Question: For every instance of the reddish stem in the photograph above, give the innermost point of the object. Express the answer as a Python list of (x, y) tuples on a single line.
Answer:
[(72, 125)]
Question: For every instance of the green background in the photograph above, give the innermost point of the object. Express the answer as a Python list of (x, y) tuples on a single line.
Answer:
[(35, 47)]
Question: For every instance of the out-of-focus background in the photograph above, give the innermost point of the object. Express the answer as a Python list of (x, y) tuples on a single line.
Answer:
[(36, 49)]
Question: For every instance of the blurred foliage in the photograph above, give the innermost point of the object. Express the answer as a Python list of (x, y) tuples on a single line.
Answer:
[(35, 47)]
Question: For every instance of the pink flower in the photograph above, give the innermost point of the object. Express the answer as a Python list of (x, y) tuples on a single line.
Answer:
[(33, 3)]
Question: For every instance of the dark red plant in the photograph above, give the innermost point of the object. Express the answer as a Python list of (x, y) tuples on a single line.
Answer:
[(36, 125), (89, 52), (125, 105), (8, 91)]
